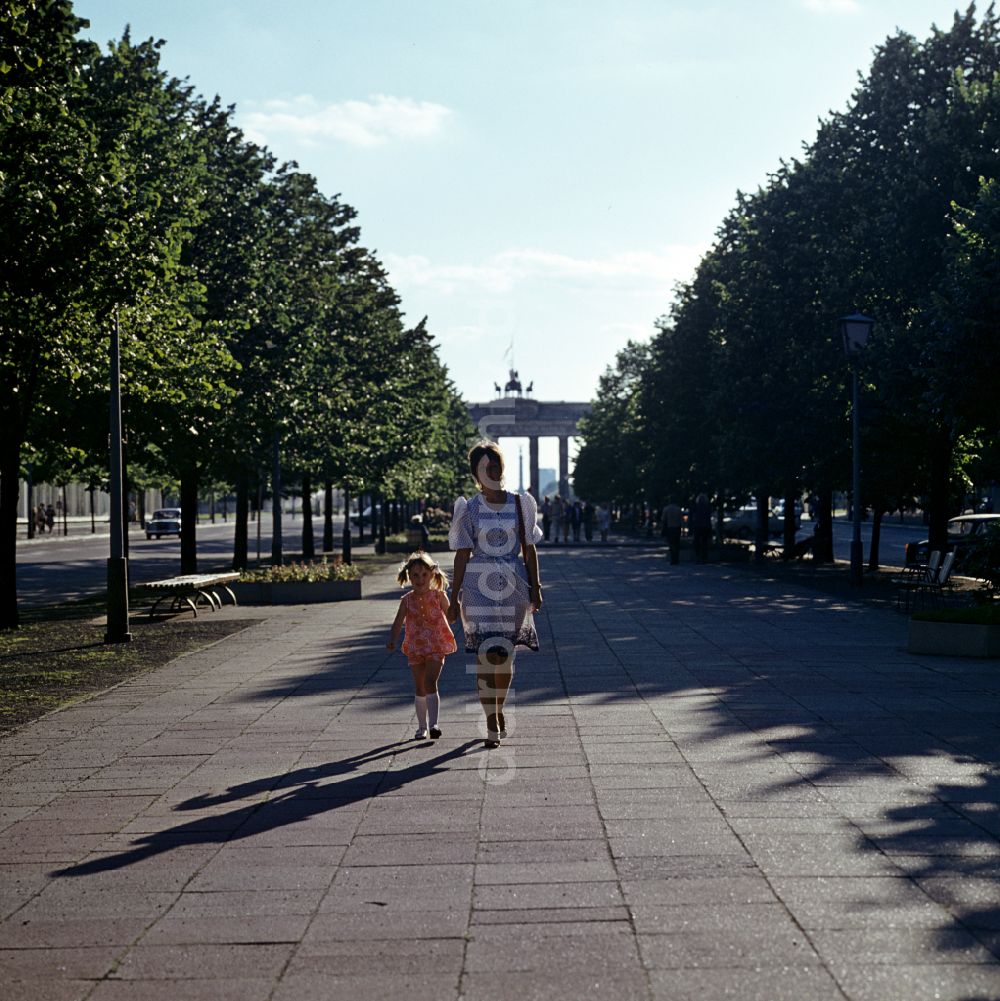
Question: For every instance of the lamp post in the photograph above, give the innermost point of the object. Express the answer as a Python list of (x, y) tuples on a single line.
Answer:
[(854, 330), (117, 629)]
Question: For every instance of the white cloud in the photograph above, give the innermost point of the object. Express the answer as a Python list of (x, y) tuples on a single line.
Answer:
[(832, 6), (359, 123), (632, 270)]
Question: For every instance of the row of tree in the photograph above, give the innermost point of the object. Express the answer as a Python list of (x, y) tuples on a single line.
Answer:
[(893, 210), (253, 321)]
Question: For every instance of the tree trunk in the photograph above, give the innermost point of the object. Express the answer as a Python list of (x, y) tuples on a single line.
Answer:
[(361, 517), (189, 520), (876, 534), (380, 521), (346, 537), (308, 542), (789, 526), (328, 516), (761, 535), (93, 526), (940, 499), (10, 471), (241, 528), (823, 547)]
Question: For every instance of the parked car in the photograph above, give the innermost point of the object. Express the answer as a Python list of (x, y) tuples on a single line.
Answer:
[(961, 532), (166, 521), (742, 524), (369, 513)]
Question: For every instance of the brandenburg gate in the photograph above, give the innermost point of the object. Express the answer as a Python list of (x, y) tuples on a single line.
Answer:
[(514, 415)]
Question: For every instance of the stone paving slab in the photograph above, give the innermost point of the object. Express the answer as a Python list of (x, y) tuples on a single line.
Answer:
[(715, 787)]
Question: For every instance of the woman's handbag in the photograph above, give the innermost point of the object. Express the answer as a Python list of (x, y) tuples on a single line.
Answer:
[(524, 541)]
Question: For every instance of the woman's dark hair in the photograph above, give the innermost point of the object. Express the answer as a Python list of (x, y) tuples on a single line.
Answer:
[(481, 450)]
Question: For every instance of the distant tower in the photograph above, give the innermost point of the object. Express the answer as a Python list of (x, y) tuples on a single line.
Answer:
[(520, 469)]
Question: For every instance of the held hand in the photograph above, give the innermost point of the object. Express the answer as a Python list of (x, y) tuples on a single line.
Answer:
[(390, 645), (536, 597), (454, 609)]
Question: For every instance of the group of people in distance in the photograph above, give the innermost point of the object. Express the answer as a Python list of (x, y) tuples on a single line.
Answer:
[(45, 517), (573, 518)]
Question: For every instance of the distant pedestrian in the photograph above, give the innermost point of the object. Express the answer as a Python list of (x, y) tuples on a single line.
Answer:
[(567, 519), (429, 639), (50, 517), (577, 520), (557, 515), (546, 518), (701, 527), (604, 520), (39, 514), (672, 520), (588, 521)]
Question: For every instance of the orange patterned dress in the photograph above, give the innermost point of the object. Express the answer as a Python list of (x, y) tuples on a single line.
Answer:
[(428, 633)]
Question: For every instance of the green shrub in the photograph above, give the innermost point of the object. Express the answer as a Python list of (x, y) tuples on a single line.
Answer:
[(982, 559), (981, 615), (312, 573)]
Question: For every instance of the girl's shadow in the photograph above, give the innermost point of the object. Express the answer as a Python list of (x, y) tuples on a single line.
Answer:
[(305, 797)]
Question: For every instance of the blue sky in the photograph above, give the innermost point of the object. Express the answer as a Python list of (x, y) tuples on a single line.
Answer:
[(542, 171)]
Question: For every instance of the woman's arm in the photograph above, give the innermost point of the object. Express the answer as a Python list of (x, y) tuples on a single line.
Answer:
[(461, 561), (534, 581)]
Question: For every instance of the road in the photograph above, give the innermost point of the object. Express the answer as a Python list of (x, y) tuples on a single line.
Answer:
[(56, 568)]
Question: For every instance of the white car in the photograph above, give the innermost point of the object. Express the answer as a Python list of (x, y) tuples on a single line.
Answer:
[(742, 524), (166, 521)]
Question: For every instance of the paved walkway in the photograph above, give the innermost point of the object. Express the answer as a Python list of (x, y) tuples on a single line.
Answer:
[(714, 787)]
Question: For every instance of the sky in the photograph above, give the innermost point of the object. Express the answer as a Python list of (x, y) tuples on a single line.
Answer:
[(536, 175)]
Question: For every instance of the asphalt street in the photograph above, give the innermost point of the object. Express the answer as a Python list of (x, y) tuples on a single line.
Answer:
[(54, 568)]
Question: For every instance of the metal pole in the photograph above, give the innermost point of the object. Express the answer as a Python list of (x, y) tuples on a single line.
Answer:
[(117, 629), (857, 553), (260, 505)]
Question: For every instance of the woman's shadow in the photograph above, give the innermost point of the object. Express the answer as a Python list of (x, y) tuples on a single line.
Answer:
[(304, 798)]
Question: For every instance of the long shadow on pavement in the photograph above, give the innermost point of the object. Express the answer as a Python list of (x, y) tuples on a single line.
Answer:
[(305, 798)]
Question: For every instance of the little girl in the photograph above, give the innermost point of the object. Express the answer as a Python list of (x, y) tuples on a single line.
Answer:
[(429, 638)]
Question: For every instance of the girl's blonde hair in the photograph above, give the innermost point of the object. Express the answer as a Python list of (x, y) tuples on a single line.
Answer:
[(439, 582)]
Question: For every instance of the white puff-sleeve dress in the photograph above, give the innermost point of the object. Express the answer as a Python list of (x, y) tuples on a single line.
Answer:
[(496, 607)]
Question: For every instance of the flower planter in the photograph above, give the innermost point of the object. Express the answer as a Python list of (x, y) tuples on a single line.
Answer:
[(953, 639), (297, 592)]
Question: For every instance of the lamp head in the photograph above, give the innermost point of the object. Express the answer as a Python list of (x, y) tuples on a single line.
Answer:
[(854, 330)]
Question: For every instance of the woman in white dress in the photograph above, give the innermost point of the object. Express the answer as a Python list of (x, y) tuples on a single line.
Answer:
[(494, 591)]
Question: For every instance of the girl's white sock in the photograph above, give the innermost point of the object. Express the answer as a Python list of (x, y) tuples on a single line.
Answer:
[(421, 704), (433, 705)]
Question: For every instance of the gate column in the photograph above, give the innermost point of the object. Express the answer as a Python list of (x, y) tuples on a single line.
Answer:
[(564, 466)]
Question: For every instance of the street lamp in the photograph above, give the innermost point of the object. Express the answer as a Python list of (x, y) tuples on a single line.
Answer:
[(117, 628), (854, 330)]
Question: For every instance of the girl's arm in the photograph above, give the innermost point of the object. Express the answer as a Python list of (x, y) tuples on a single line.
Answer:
[(461, 561), (534, 581), (444, 601), (397, 625)]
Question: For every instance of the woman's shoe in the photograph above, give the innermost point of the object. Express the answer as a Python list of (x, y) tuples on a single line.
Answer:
[(492, 739), (502, 723), (421, 734), (435, 733)]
